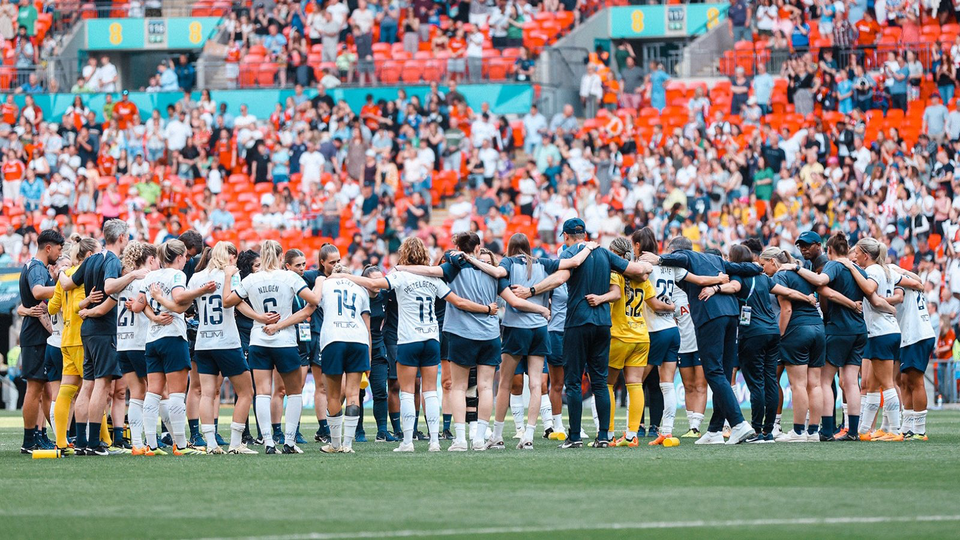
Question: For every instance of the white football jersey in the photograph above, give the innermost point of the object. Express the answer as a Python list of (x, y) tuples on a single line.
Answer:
[(131, 327), (344, 303), (879, 323), (274, 291), (913, 318), (56, 337), (415, 298), (168, 279), (664, 283), (218, 327)]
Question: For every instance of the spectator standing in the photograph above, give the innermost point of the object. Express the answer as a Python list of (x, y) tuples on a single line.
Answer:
[(168, 77), (27, 17), (738, 17), (362, 20), (389, 19), (475, 55), (591, 91), (935, 119), (107, 76), (186, 74), (534, 126), (631, 80), (897, 70), (763, 88), (8, 14), (658, 79)]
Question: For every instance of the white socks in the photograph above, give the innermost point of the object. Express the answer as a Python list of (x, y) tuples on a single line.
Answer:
[(891, 409), (920, 422), (907, 425), (53, 424), (262, 409), (165, 412), (431, 404), (336, 429), (151, 412), (497, 430), (516, 408), (528, 434), (236, 434), (558, 423), (868, 415), (178, 418), (846, 416), (694, 418), (135, 415), (669, 392), (408, 415), (292, 413), (546, 410), (480, 436), (209, 435), (460, 430), (593, 411), (349, 430)]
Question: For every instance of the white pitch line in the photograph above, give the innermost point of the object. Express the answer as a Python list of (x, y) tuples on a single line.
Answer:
[(603, 527)]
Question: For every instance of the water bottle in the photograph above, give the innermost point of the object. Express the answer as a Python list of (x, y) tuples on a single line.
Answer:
[(46, 454), (939, 401)]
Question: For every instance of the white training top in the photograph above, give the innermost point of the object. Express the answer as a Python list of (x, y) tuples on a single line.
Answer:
[(688, 332), (415, 297), (662, 278), (344, 303), (168, 279), (878, 323), (913, 318), (56, 337), (131, 327), (272, 290), (218, 327)]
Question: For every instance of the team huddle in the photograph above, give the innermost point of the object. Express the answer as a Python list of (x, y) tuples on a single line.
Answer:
[(148, 334)]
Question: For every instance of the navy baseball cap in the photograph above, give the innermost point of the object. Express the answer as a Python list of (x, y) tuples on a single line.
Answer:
[(574, 226), (809, 237)]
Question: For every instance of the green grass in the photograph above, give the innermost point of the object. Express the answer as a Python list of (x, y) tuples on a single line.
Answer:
[(547, 493)]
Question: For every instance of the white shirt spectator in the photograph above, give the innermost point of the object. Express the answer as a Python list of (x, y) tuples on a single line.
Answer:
[(460, 212), (490, 158), (363, 18), (106, 77), (591, 86), (311, 167), (176, 134)]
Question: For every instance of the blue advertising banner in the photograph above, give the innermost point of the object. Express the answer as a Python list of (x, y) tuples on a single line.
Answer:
[(663, 21)]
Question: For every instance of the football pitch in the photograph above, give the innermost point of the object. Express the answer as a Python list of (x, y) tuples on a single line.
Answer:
[(835, 490)]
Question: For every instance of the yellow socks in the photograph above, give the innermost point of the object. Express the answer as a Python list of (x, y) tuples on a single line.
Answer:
[(61, 412), (635, 411)]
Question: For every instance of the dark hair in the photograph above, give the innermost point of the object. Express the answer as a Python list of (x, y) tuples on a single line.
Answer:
[(245, 262), (740, 253), (49, 236), (326, 250), (753, 244), (192, 239), (838, 243), (647, 240), (467, 242), (204, 259), (713, 251), (369, 269)]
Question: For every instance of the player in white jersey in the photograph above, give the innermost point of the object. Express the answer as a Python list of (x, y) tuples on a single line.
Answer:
[(345, 348), (167, 353), (917, 340), (132, 338), (883, 340), (218, 353), (418, 343), (272, 290)]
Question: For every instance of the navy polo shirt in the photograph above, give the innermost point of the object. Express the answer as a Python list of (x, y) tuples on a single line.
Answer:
[(804, 314), (840, 321), (591, 277), (93, 274), (378, 312), (32, 332), (755, 293)]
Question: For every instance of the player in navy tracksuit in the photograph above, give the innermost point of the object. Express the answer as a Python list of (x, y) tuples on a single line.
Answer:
[(716, 322), (586, 337)]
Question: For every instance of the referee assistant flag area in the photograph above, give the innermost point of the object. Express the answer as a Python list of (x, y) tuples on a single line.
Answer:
[(828, 490)]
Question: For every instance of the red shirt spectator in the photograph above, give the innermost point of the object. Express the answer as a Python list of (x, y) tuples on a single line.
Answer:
[(9, 111), (13, 170), (123, 111), (868, 29)]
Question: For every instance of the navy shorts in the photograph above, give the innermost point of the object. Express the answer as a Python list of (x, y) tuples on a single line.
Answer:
[(133, 362), (555, 358), (226, 362), (102, 351), (310, 354), (883, 347), (87, 366), (689, 359), (526, 341), (284, 359), (444, 345), (167, 355), (472, 352), (845, 350), (391, 352), (419, 353), (803, 345), (664, 346), (52, 363), (917, 355), (342, 357), (32, 358)]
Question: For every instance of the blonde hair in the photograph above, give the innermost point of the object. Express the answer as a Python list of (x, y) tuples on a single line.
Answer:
[(776, 254), (220, 255), (135, 255), (170, 250), (412, 253), (876, 250), (82, 249), (271, 254)]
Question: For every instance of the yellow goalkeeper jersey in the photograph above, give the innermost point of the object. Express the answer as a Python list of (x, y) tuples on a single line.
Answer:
[(626, 313)]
